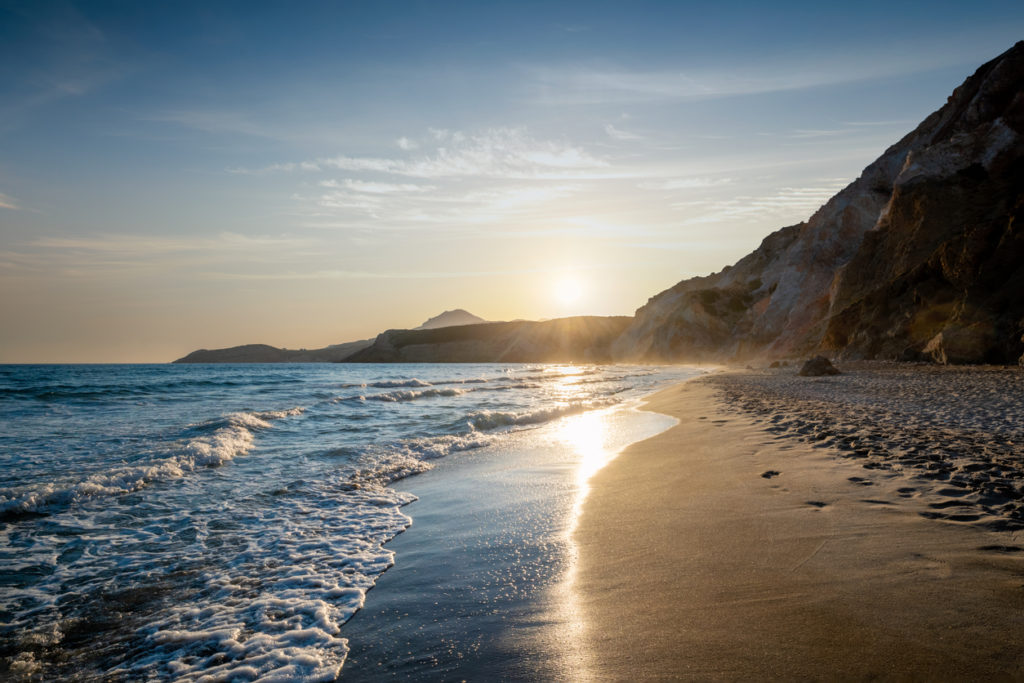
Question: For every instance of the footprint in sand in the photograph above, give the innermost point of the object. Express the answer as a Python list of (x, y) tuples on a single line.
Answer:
[(861, 481), (817, 503), (1001, 548), (769, 474), (946, 504), (906, 492)]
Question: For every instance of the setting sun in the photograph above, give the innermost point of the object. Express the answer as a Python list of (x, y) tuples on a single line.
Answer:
[(568, 290)]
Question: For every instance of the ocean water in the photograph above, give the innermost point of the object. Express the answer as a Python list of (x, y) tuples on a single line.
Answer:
[(222, 522)]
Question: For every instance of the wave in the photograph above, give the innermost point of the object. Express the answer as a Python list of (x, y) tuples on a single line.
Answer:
[(213, 443), (388, 384), (486, 420), (402, 396)]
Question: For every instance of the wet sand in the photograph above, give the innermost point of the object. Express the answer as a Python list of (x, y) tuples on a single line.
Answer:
[(721, 550)]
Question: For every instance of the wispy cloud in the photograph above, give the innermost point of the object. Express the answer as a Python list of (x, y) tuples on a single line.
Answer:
[(376, 188), (406, 144), (7, 202), (218, 122), (614, 84), (68, 57), (789, 204), (109, 255), (684, 183), (494, 153), (804, 133), (618, 134), (140, 245)]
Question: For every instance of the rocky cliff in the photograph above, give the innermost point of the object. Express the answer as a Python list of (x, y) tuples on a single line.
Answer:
[(580, 339), (921, 257)]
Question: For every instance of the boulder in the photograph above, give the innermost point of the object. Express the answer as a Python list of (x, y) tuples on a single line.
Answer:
[(818, 366), (959, 344)]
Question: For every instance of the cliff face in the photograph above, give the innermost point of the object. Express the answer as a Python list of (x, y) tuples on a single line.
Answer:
[(581, 339), (941, 276), (919, 257)]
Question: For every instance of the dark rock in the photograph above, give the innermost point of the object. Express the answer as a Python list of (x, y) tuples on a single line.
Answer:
[(955, 345), (583, 339), (818, 366), (775, 364)]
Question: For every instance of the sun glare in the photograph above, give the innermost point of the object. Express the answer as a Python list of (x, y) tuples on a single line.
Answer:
[(568, 290)]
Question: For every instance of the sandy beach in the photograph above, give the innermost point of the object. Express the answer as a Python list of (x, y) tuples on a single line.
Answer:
[(864, 526)]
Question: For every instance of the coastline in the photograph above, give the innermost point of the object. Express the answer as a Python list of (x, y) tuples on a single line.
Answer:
[(718, 550), (476, 591)]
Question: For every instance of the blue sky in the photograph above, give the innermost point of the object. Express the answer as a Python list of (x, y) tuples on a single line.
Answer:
[(177, 175)]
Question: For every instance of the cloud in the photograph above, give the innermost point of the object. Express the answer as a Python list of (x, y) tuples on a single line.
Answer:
[(785, 205), (495, 153), (613, 84), (7, 203), (214, 121), (406, 144), (145, 245), (617, 134), (684, 183), (107, 255), (375, 188), (819, 133)]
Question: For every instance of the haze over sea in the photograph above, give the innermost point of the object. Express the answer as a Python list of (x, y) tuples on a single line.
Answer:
[(181, 521)]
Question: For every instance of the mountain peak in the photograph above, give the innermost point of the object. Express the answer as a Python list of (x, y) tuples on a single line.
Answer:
[(458, 316)]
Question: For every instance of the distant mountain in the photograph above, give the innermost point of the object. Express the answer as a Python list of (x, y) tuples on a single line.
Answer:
[(262, 353), (920, 258), (581, 339), (451, 319)]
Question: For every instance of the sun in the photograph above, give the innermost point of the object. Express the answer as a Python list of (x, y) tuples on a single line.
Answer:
[(568, 290)]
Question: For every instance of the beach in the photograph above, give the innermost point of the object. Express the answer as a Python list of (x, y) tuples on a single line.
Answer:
[(862, 526)]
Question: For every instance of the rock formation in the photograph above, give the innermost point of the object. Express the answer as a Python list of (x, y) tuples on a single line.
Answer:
[(920, 258), (581, 339), (818, 366)]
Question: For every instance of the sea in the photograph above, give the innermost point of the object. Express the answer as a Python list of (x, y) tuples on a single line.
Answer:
[(225, 522)]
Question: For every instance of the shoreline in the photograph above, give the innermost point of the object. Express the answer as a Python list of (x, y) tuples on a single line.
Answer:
[(476, 589), (719, 550)]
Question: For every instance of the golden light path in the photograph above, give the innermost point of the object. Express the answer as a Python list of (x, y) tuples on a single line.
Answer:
[(595, 438)]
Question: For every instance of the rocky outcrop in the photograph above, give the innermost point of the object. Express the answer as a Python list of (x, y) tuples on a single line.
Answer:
[(921, 257), (818, 366), (940, 276), (581, 339)]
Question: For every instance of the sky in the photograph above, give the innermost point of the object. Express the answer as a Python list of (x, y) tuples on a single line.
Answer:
[(183, 175)]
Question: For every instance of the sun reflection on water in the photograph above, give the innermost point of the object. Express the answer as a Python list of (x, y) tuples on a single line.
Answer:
[(588, 436)]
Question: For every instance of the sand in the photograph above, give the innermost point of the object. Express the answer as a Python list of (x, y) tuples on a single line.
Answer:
[(721, 550)]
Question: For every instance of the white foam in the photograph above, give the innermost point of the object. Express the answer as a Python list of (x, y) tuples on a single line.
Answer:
[(402, 396), (229, 437), (281, 622), (486, 420), (389, 383)]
